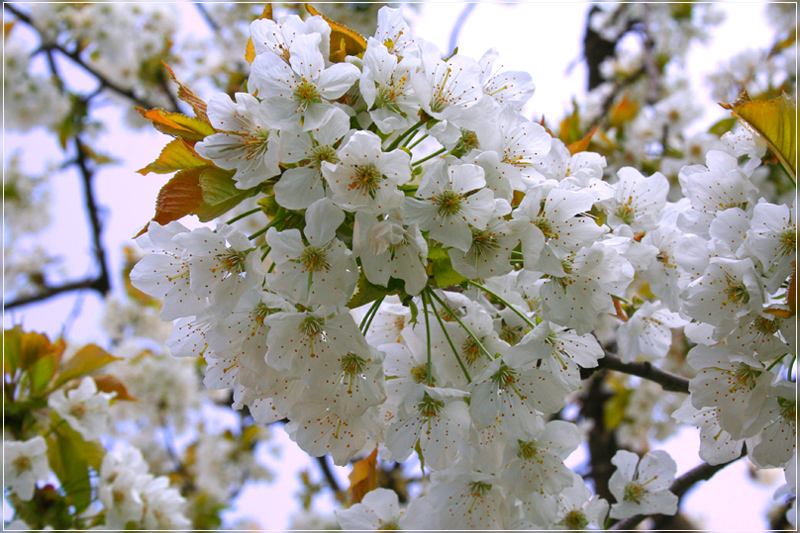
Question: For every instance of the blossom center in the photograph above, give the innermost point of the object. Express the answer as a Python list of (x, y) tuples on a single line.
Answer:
[(634, 492), (419, 374), (575, 520), (736, 291), (230, 261), (23, 463), (311, 326), (315, 259), (527, 450), (322, 154), (448, 203), (429, 407), (306, 93), (788, 240), (352, 364), (367, 178), (471, 350), (504, 377), (484, 242)]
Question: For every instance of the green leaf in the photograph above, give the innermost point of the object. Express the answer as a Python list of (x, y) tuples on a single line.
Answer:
[(366, 292), (442, 270), (41, 372), (67, 454), (614, 410), (776, 121), (22, 350), (177, 155), (86, 360), (219, 193), (723, 126), (177, 124)]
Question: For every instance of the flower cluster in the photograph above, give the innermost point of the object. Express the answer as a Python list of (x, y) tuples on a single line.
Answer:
[(435, 264)]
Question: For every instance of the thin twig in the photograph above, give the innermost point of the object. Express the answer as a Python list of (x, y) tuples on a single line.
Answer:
[(668, 381), (326, 471), (94, 283), (75, 57)]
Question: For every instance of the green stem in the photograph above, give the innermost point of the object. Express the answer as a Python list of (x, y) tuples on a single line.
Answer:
[(503, 301), (402, 136), (426, 158), (278, 218), (243, 215), (411, 147), (366, 322), (775, 362), (450, 342), (428, 374), (455, 317)]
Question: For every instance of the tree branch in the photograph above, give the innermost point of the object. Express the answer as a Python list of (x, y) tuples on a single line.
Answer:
[(680, 487), (329, 477), (75, 57), (94, 283), (669, 382), (103, 281)]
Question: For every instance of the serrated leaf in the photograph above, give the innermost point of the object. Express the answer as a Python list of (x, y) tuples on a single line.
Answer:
[(363, 478), (187, 95), (109, 383), (85, 361), (179, 197), (219, 193), (583, 144), (776, 121), (344, 41), (177, 124), (176, 155)]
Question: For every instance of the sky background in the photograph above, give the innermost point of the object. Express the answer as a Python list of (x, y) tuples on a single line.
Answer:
[(541, 38)]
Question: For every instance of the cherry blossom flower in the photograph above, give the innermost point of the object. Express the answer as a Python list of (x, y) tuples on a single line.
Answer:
[(24, 463), (642, 487)]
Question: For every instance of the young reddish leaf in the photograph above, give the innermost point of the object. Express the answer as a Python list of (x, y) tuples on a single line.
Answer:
[(184, 93), (177, 124), (177, 155), (85, 361), (570, 127), (583, 144), (363, 478), (776, 121), (7, 27), (179, 197), (624, 111), (250, 51), (109, 383), (344, 41), (23, 349)]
